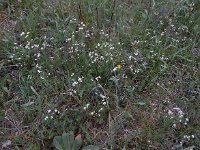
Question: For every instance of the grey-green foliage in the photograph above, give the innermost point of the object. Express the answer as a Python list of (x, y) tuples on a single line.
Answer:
[(91, 147), (189, 148), (67, 142)]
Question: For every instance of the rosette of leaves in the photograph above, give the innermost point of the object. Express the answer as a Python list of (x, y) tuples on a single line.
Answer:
[(68, 142)]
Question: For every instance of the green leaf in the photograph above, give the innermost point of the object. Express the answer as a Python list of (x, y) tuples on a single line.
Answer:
[(67, 142), (6, 89), (58, 143), (78, 143), (115, 80), (91, 147)]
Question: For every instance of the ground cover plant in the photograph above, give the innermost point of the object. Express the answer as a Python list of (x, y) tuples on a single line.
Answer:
[(112, 74)]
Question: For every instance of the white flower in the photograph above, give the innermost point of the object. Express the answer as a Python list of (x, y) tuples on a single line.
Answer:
[(102, 96), (26, 36), (170, 112), (80, 28), (174, 125), (100, 109), (74, 83), (115, 69), (97, 78), (80, 79), (86, 106), (72, 74), (22, 34), (104, 103), (130, 57), (38, 54), (39, 71), (46, 118)]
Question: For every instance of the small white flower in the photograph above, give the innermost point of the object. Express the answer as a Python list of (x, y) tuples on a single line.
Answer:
[(100, 109), (80, 79), (22, 34), (170, 112), (188, 137), (39, 71), (104, 103), (115, 69), (46, 118), (181, 143), (72, 74), (74, 83), (102, 96), (80, 28), (86, 106), (26, 36), (130, 57), (97, 78), (38, 54), (174, 125)]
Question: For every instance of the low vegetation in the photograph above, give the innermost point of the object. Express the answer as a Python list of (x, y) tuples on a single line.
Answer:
[(109, 73)]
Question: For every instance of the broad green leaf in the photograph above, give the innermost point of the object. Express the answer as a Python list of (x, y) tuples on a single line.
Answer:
[(58, 142), (91, 147), (68, 140)]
